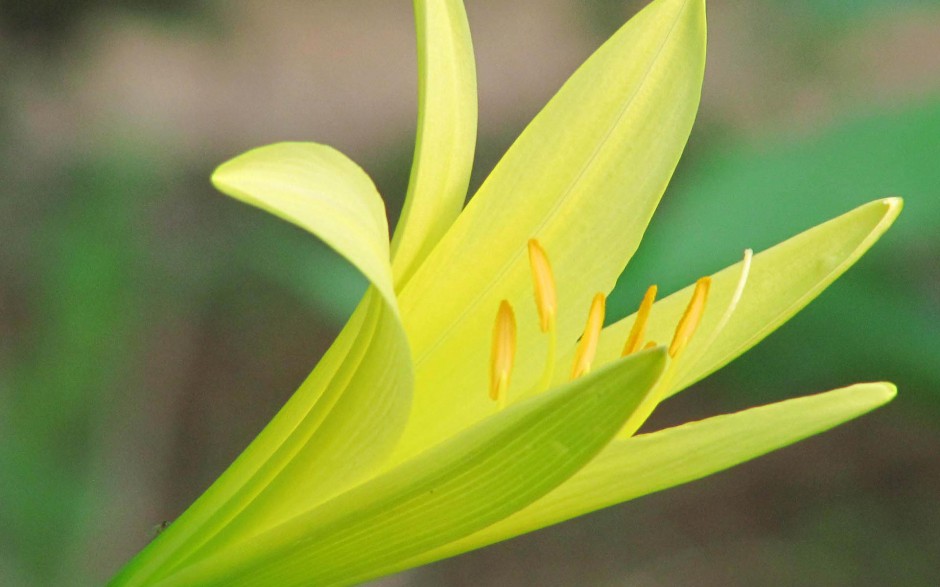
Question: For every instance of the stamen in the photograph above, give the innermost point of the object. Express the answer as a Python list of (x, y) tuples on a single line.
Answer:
[(691, 363), (650, 345), (544, 283), (639, 325), (546, 301), (690, 319), (503, 353), (587, 346), (684, 331)]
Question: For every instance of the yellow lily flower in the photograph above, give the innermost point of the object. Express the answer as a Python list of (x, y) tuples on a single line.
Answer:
[(475, 393)]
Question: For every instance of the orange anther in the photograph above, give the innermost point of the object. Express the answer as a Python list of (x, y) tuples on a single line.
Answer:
[(503, 352), (587, 346), (544, 284), (690, 319), (635, 339)]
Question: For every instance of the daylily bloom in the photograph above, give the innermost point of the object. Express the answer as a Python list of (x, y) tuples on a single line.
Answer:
[(476, 393)]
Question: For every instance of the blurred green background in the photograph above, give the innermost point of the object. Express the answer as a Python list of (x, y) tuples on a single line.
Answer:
[(149, 327)]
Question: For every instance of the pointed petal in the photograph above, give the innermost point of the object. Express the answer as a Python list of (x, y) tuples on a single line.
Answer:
[(347, 415), (633, 467), (447, 126), (320, 190), (482, 475), (584, 178), (782, 280)]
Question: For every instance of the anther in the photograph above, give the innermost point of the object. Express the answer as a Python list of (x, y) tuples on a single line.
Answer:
[(544, 284), (587, 346), (691, 318), (691, 363), (503, 353), (635, 339)]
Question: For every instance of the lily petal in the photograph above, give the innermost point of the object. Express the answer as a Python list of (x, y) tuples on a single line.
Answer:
[(782, 280), (447, 126), (346, 416), (633, 467), (320, 190), (584, 178), (458, 487)]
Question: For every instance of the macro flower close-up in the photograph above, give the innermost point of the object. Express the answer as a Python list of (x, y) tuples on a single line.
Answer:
[(479, 391)]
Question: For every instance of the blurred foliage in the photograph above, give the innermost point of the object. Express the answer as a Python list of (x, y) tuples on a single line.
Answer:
[(839, 12), (115, 262), (49, 22), (815, 15), (86, 315)]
